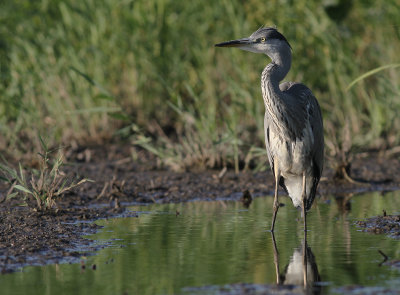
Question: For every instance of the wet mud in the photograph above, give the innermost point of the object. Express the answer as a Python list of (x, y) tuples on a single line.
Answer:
[(239, 289), (248, 289), (385, 224), (28, 237)]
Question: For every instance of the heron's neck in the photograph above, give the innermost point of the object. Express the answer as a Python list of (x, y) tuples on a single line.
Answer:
[(273, 73)]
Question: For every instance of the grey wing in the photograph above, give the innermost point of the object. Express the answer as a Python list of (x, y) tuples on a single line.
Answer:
[(318, 130), (310, 110), (318, 148), (295, 108), (307, 108)]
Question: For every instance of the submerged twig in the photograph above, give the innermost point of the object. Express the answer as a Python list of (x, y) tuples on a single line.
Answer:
[(385, 258)]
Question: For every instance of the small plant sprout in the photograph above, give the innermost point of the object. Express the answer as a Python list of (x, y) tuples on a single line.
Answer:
[(45, 185)]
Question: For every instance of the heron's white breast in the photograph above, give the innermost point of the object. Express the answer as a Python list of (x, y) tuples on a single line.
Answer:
[(293, 158)]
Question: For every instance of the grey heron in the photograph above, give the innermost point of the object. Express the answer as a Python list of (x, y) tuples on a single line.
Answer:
[(293, 122)]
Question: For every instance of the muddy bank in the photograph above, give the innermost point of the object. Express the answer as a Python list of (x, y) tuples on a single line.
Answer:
[(117, 176), (386, 224), (30, 238), (248, 289), (239, 289)]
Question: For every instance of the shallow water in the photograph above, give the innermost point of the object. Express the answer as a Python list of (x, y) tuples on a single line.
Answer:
[(220, 243)]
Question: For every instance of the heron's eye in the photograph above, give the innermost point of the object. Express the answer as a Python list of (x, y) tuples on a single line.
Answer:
[(263, 39)]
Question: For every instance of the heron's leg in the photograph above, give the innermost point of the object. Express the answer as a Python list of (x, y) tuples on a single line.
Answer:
[(276, 259), (276, 203), (304, 196), (305, 260)]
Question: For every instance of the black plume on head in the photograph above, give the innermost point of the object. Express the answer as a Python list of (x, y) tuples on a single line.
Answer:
[(269, 33)]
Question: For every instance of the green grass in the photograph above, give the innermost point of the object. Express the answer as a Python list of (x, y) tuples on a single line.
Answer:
[(148, 71)]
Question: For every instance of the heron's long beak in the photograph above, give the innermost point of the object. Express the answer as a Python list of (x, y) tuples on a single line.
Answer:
[(235, 43)]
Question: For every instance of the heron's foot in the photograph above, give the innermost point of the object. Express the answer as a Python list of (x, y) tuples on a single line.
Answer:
[(273, 225)]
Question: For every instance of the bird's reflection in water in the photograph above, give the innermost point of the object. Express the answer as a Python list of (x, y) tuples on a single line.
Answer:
[(302, 269)]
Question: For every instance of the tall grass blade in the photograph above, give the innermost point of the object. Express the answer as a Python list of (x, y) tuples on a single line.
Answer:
[(370, 73), (23, 189), (105, 93)]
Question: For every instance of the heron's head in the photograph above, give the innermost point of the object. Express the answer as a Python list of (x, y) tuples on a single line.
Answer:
[(265, 40)]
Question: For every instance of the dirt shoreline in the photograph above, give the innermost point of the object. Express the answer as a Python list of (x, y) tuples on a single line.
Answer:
[(28, 237)]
